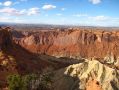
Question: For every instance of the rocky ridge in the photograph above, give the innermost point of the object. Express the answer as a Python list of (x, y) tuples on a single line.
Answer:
[(74, 43), (89, 75)]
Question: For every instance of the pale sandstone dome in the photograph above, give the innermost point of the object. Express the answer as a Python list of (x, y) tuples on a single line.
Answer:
[(87, 75)]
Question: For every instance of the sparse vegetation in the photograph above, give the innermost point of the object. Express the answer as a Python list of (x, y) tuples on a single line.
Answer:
[(30, 82), (15, 82)]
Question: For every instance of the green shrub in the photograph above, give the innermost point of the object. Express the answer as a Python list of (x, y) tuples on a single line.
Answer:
[(30, 82), (15, 82)]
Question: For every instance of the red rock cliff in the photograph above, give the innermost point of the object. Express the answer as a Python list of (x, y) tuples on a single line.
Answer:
[(73, 43)]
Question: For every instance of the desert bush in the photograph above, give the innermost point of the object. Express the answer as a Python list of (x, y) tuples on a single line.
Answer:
[(15, 82), (30, 82)]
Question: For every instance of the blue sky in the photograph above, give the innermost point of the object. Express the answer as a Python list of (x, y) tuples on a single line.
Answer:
[(63, 12)]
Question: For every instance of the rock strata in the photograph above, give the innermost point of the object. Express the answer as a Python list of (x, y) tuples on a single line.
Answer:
[(73, 43)]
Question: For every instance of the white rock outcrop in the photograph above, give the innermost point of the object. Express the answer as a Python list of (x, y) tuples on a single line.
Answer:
[(76, 76)]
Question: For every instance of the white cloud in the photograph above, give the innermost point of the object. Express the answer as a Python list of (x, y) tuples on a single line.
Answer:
[(13, 20), (15, 12), (99, 18), (102, 20), (33, 11), (23, 0), (7, 3), (16, 3), (11, 11), (22, 12), (59, 14), (48, 7), (80, 15), (4, 19), (95, 1), (63, 9)]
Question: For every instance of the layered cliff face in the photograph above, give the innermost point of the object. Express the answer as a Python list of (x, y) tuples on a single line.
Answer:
[(72, 43), (31, 52), (89, 75), (16, 60)]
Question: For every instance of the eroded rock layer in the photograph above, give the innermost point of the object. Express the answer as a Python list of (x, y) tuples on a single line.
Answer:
[(16, 60), (89, 75), (72, 43)]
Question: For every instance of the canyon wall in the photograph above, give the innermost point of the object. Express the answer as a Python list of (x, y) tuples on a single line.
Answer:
[(89, 74), (5, 37), (72, 43)]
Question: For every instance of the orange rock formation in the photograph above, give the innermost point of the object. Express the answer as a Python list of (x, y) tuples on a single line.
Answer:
[(72, 43)]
